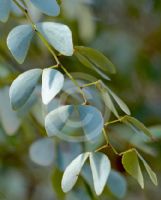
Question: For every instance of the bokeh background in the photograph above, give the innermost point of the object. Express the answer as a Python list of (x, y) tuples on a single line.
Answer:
[(128, 32)]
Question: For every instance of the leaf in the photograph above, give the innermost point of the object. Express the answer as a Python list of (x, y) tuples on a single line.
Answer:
[(49, 7), (42, 152), (90, 119), (58, 35), (92, 57), (72, 172), (52, 83), (119, 101), (23, 86), (137, 124), (117, 184), (9, 118), (5, 6), (131, 164), (108, 102), (56, 119), (18, 41), (101, 167), (150, 172)]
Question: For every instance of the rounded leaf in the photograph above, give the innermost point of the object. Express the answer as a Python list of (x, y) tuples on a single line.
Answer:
[(58, 35), (42, 152), (23, 86), (52, 83), (18, 41), (49, 7)]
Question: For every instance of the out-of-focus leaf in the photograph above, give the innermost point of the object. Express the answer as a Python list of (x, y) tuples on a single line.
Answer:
[(131, 164), (72, 172), (137, 124), (23, 86), (8, 117), (101, 167), (42, 152), (92, 57), (18, 41), (52, 83), (5, 6), (49, 7), (117, 184), (58, 35)]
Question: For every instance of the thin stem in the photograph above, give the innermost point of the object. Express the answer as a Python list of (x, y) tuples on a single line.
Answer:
[(105, 136), (114, 121), (90, 84), (75, 83)]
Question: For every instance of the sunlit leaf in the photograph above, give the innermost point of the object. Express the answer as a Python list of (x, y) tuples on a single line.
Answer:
[(150, 172), (42, 152), (49, 7), (72, 172), (18, 41), (23, 86), (58, 35), (131, 164), (52, 83), (101, 167)]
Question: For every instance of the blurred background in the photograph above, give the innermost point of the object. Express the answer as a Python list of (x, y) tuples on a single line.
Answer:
[(128, 32)]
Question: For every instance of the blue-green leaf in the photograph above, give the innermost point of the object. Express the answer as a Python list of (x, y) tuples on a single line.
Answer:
[(18, 41), (42, 152), (52, 83), (49, 7), (58, 35), (5, 6), (90, 120), (23, 86), (131, 164), (101, 167), (117, 184), (56, 119), (72, 172)]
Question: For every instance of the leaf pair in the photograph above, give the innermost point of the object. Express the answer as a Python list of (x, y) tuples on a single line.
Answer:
[(100, 167), (94, 59), (24, 85), (131, 164), (58, 35), (89, 119), (107, 94)]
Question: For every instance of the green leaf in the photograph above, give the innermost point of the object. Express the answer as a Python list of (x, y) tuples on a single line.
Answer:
[(117, 184), (5, 6), (23, 86), (52, 83), (58, 35), (72, 172), (49, 7), (131, 164), (42, 152), (137, 124), (93, 58), (89, 119), (150, 172), (18, 41), (108, 102), (119, 101), (101, 167)]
